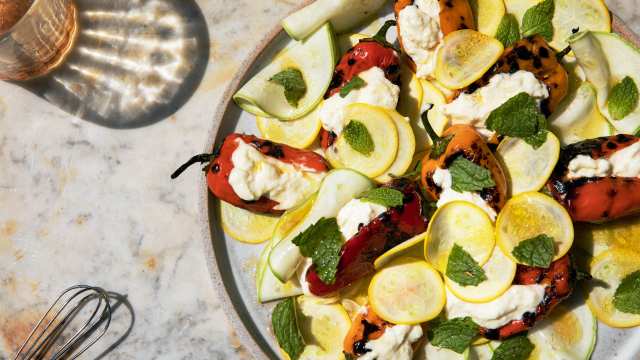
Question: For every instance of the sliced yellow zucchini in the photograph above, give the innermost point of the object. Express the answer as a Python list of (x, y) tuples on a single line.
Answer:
[(406, 148), (608, 269), (530, 214), (587, 15), (619, 234), (407, 291), (487, 14), (383, 133), (323, 328), (413, 247), (411, 93), (246, 226), (569, 332), (462, 223), (465, 56), (315, 58), (526, 168), (500, 271), (299, 133)]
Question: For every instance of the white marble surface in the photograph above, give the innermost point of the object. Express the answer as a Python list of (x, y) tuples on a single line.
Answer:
[(82, 203)]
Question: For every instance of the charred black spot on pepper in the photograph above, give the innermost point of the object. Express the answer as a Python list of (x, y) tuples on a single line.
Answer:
[(523, 53), (537, 63), (448, 4), (513, 65), (359, 347), (543, 52), (351, 62), (544, 107), (605, 214), (529, 318), (463, 27), (622, 138), (492, 334), (611, 145), (215, 168)]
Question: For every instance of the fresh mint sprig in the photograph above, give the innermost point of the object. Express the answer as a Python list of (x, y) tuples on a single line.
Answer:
[(292, 81), (322, 243)]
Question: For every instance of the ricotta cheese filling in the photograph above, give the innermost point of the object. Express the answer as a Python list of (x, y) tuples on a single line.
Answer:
[(442, 178), (623, 163), (474, 109), (378, 91), (512, 305), (255, 175), (357, 213), (394, 344), (421, 34)]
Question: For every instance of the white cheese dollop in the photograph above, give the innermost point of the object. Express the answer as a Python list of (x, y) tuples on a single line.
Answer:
[(378, 91), (474, 109), (623, 163), (394, 344), (419, 26), (515, 302), (255, 175), (442, 178), (357, 213)]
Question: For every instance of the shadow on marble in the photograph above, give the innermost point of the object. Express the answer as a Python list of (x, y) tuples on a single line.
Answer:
[(134, 63)]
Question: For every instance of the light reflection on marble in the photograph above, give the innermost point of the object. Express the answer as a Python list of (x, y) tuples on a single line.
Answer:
[(80, 203)]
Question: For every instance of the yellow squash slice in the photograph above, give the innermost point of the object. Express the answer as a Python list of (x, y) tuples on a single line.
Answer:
[(246, 226), (526, 168), (608, 269), (407, 291), (465, 56), (406, 148), (413, 247), (488, 14), (531, 214), (384, 134), (296, 133), (323, 328), (462, 223), (500, 271)]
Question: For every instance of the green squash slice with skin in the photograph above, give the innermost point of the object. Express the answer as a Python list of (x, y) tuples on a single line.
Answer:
[(607, 58), (269, 288), (315, 58), (344, 15), (338, 187)]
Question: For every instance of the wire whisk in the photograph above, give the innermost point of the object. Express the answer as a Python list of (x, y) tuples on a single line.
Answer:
[(78, 318)]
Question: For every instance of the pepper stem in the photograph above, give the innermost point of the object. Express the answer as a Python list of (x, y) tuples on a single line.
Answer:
[(427, 125), (201, 159), (563, 53), (381, 35)]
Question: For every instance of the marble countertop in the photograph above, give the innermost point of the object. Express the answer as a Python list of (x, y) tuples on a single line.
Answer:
[(85, 194)]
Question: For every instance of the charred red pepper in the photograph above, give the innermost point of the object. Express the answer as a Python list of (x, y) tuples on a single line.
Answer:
[(595, 199), (220, 165), (372, 240), (368, 53), (365, 327), (559, 280)]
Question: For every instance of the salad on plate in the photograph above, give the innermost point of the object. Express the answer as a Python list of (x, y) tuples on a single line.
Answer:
[(458, 179)]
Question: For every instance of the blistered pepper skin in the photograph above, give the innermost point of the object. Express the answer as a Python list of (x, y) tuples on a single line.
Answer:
[(365, 327), (454, 15), (384, 232), (366, 54), (595, 199), (466, 142), (559, 281), (221, 165), (534, 55)]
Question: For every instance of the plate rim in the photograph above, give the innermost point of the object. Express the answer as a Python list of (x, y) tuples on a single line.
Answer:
[(206, 200)]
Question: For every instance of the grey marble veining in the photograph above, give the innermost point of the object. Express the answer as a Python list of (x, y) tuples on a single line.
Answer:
[(83, 203)]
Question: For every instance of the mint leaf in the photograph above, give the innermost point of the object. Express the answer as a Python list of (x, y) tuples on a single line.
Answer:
[(384, 196), (516, 348), (467, 176), (322, 243), (455, 334), (463, 269), (355, 83), (508, 32), (537, 251), (285, 327), (537, 20), (627, 295), (358, 137), (623, 98), (519, 117), (293, 83)]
